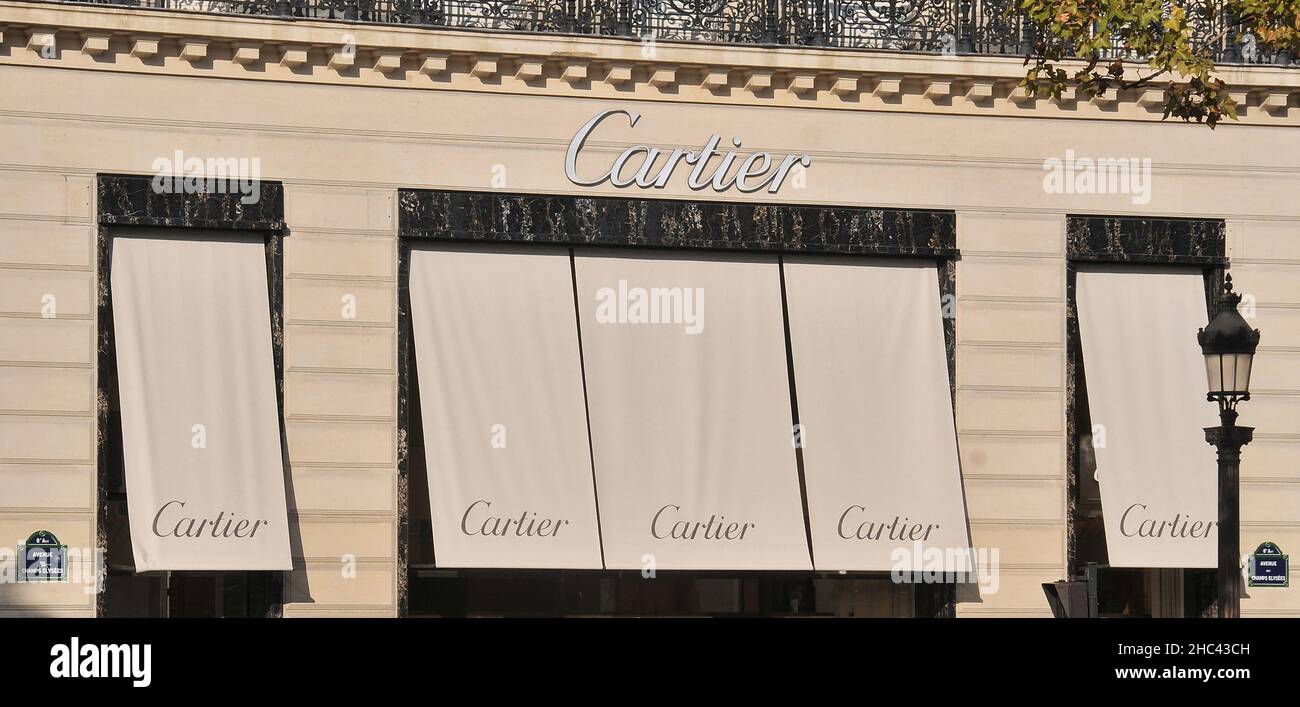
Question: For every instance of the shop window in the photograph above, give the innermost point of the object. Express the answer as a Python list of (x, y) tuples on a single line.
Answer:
[(191, 456), (1124, 593), (490, 328), (1144, 490), (469, 593)]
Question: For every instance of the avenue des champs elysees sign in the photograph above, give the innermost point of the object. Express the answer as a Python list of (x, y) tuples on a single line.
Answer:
[(649, 167)]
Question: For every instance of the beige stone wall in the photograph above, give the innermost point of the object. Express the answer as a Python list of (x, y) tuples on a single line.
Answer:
[(344, 143), (1266, 267), (1011, 400), (47, 377), (340, 401)]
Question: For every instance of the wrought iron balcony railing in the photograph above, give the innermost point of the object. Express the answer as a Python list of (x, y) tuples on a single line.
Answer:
[(925, 26)]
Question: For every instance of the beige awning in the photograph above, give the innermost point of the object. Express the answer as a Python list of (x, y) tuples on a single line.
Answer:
[(200, 423), (501, 397), (1146, 394), (690, 412), (879, 443)]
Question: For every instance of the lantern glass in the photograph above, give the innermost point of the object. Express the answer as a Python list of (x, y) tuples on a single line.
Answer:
[(1242, 373), (1214, 373), (1228, 374)]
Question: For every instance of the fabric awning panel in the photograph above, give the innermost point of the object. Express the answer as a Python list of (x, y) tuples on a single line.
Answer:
[(200, 421), (501, 397), (690, 411), (879, 443), (1146, 394)]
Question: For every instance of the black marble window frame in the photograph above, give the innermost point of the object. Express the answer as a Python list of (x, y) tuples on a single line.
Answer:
[(511, 220), (676, 224), (1181, 243), (130, 201), (1133, 239)]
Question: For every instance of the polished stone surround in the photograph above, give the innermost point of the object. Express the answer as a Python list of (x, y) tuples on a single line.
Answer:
[(1126, 239), (131, 200), (1109, 240), (662, 223)]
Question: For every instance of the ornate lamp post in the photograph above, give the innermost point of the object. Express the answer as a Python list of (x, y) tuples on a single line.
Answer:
[(1228, 345)]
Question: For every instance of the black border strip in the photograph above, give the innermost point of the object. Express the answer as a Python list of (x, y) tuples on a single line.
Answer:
[(129, 200), (405, 356)]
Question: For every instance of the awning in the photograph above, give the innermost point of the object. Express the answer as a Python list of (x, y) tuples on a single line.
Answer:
[(879, 443), (501, 396), (1146, 395), (200, 422), (690, 412)]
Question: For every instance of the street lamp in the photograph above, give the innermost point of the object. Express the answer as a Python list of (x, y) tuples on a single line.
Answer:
[(1228, 345)]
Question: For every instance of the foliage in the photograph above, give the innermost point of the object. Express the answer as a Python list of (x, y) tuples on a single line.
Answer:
[(1097, 46)]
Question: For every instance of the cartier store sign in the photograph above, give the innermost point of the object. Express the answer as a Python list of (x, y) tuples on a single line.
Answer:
[(646, 167)]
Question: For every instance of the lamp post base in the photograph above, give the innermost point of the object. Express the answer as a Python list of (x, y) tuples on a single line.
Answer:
[(1229, 439)]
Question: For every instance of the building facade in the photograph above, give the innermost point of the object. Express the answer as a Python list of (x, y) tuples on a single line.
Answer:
[(859, 151)]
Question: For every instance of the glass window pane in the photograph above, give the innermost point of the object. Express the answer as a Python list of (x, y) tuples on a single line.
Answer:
[(1213, 377), (1229, 363), (1243, 373)]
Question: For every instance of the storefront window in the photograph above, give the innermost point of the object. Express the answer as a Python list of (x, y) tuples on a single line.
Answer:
[(493, 329), (1128, 457), (191, 444)]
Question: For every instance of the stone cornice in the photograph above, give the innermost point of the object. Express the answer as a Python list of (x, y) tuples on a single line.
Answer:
[(186, 43)]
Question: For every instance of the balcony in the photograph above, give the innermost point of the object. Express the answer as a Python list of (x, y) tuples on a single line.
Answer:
[(952, 27)]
